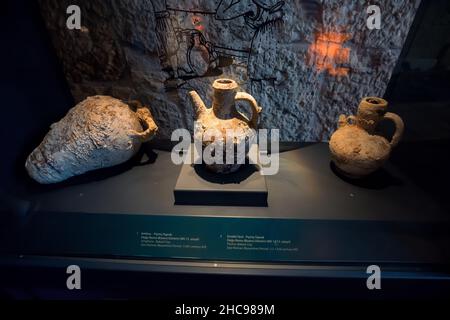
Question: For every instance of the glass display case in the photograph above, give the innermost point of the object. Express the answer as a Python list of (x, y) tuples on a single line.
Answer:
[(288, 140)]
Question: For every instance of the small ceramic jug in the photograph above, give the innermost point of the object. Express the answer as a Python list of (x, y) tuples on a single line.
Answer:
[(224, 116), (355, 147)]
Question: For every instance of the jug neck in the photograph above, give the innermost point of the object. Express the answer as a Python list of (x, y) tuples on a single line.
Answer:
[(223, 99), (370, 112)]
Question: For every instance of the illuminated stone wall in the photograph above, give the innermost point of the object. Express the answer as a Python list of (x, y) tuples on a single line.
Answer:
[(305, 61)]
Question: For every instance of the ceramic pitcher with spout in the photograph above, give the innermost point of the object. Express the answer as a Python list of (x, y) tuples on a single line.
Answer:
[(214, 124)]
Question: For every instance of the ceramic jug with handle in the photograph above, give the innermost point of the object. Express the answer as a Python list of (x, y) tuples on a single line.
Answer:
[(355, 147), (213, 123)]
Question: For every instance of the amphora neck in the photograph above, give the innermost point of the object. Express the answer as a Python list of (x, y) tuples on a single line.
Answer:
[(371, 111)]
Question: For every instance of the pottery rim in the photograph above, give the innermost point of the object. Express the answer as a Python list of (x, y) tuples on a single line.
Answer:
[(225, 84), (374, 102)]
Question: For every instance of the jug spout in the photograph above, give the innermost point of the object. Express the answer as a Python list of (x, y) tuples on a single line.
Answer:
[(199, 105)]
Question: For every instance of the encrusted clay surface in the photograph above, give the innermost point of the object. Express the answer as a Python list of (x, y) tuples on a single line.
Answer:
[(94, 134)]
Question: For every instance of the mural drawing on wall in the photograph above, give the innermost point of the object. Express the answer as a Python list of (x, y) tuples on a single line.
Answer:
[(185, 53)]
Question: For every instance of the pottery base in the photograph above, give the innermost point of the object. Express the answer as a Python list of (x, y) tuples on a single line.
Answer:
[(223, 168), (348, 175)]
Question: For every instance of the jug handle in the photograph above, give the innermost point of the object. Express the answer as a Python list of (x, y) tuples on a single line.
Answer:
[(256, 110), (145, 117), (399, 127)]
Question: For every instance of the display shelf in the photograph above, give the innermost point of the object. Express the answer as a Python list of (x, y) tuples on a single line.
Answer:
[(313, 217)]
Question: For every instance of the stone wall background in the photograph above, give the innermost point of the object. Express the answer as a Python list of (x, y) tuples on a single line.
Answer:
[(118, 52)]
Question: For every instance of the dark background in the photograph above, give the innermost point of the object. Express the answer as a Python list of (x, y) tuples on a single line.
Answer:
[(32, 86)]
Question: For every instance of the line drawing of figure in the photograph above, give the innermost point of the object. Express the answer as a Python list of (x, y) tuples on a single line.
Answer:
[(184, 53), (265, 17), (166, 42)]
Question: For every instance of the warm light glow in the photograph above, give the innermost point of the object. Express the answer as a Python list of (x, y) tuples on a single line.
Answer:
[(328, 53), (197, 23)]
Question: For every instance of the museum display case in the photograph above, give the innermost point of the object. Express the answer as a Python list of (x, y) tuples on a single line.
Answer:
[(254, 138)]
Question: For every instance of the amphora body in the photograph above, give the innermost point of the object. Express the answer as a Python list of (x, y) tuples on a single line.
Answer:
[(98, 132)]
